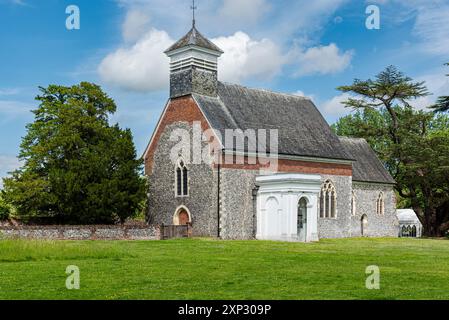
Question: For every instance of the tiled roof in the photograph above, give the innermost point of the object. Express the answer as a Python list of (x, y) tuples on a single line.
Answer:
[(301, 128), (367, 167), (194, 38)]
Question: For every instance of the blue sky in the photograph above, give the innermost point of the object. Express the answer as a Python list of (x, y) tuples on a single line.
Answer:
[(294, 46)]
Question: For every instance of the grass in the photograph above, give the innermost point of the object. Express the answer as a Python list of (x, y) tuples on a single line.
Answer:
[(212, 269)]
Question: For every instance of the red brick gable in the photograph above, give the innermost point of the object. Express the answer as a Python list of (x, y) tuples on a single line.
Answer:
[(183, 109)]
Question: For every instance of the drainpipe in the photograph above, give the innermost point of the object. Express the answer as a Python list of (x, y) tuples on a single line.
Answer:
[(255, 191), (218, 200)]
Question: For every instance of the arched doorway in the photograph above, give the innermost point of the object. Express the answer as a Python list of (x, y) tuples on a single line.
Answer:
[(364, 225), (182, 217), (302, 219)]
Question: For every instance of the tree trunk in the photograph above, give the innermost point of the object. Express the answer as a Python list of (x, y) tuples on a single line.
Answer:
[(431, 225), (394, 118)]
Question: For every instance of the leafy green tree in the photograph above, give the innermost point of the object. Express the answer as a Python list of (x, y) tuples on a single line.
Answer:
[(442, 103), (412, 144), (373, 125), (5, 210), (390, 87), (77, 168)]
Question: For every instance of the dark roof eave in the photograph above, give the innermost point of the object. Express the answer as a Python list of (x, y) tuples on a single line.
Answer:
[(376, 182), (192, 46), (303, 155), (315, 157)]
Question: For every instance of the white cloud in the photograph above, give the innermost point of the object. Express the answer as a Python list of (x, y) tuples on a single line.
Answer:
[(368, 2), (302, 17), (141, 67), (322, 60), (19, 2), (438, 85), (9, 91), (144, 66), (247, 11), (9, 108), (432, 28), (139, 64), (334, 108), (7, 164), (136, 24), (280, 20), (247, 58), (302, 94), (430, 21)]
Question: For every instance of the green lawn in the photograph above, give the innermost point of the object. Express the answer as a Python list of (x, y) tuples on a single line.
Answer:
[(212, 269)]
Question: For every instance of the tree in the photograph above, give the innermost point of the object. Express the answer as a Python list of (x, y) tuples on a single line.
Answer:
[(391, 87), (5, 210), (412, 144), (442, 103), (77, 168)]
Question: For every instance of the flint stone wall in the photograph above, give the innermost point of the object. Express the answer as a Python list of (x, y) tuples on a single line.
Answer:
[(81, 232), (379, 225)]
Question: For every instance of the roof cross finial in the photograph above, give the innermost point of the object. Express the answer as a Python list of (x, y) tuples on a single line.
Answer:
[(193, 7)]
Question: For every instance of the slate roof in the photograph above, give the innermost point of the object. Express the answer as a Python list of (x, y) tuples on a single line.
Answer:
[(194, 38), (302, 129), (367, 167)]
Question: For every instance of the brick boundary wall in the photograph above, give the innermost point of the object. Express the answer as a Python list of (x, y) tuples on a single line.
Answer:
[(94, 232)]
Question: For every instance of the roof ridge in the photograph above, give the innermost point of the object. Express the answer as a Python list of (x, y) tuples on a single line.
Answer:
[(266, 90)]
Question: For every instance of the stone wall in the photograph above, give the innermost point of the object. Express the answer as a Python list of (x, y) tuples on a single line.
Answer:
[(99, 232), (238, 211), (366, 195), (237, 207), (193, 80), (202, 199), (338, 227), (237, 217)]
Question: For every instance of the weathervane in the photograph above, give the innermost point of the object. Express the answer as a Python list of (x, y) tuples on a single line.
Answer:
[(193, 7)]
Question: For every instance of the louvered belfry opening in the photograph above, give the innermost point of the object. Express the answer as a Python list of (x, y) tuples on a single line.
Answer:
[(193, 65)]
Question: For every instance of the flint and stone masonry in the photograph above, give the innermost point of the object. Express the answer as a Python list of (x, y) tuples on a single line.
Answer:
[(105, 232)]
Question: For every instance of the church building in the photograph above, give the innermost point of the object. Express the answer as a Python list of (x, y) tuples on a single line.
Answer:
[(322, 186)]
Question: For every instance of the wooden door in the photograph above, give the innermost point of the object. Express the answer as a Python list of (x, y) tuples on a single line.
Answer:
[(183, 218)]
